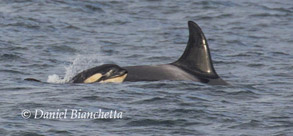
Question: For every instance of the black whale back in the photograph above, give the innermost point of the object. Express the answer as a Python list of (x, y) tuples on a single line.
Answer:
[(196, 58)]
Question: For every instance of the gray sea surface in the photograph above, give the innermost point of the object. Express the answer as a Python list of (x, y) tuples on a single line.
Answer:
[(251, 44)]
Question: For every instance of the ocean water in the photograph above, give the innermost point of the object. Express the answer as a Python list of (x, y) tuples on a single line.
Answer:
[(250, 41)]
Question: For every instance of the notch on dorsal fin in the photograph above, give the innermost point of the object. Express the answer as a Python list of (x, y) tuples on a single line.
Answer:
[(196, 58)]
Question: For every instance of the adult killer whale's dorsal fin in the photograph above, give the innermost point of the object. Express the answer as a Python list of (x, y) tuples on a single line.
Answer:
[(196, 58)]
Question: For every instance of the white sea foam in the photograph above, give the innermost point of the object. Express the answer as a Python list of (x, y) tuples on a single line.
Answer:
[(55, 79)]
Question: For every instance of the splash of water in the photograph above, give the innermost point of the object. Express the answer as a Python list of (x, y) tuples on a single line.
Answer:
[(55, 79), (79, 64)]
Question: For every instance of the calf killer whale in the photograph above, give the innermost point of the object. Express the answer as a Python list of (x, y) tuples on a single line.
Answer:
[(103, 74), (195, 64)]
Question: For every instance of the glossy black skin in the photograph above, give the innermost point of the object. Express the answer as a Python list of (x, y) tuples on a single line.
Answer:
[(103, 69), (195, 64)]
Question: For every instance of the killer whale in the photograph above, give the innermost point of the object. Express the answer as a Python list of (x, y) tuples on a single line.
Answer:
[(195, 64)]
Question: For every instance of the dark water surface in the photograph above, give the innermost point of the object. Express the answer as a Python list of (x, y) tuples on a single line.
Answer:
[(251, 45)]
